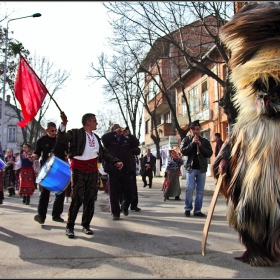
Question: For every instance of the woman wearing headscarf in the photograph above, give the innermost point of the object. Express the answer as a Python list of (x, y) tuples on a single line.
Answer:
[(173, 172)]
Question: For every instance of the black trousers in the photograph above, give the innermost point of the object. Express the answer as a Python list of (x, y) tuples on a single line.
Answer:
[(84, 190), (120, 190), (148, 173), (44, 202), (134, 200)]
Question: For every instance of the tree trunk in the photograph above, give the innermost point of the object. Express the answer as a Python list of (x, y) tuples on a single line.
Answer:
[(226, 103)]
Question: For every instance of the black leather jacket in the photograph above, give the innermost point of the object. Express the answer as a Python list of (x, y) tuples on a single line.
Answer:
[(122, 149), (189, 148)]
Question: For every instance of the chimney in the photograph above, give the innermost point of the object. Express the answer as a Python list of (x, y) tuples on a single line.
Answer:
[(8, 98)]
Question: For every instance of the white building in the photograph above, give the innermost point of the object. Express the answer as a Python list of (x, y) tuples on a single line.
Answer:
[(13, 136)]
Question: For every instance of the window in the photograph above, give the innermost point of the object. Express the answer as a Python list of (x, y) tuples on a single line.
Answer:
[(205, 95), (148, 126), (11, 134), (151, 90), (153, 87), (167, 117), (204, 86), (184, 106), (156, 83), (193, 101)]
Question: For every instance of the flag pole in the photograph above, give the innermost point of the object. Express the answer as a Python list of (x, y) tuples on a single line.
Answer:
[(55, 102)]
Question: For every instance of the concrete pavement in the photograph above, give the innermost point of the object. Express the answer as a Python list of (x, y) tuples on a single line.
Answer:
[(209, 183), (158, 242)]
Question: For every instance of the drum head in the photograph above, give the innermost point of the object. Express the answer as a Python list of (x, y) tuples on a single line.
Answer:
[(45, 169)]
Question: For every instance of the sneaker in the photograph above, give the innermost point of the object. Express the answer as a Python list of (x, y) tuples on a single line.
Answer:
[(87, 231), (58, 219), (187, 213), (199, 214), (115, 218), (70, 232), (39, 219), (125, 212), (136, 209)]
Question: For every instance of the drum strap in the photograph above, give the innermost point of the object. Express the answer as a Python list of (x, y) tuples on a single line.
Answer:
[(52, 151)]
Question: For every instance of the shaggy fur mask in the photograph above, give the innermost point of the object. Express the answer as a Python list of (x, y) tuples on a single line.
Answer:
[(253, 38)]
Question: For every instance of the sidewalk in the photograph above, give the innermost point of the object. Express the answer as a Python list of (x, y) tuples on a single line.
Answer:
[(209, 184), (159, 242)]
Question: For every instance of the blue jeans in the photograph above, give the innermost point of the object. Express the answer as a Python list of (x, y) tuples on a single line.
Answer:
[(194, 180)]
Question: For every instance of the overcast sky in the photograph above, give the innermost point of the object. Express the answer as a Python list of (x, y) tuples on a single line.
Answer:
[(71, 35)]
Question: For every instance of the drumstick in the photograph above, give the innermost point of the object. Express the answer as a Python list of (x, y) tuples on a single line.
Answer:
[(210, 214)]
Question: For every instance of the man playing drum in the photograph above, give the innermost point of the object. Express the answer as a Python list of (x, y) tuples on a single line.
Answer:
[(46, 145), (85, 151)]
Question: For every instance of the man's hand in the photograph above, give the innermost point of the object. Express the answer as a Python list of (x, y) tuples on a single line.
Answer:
[(196, 140), (63, 118), (125, 132), (119, 165), (222, 166), (33, 157)]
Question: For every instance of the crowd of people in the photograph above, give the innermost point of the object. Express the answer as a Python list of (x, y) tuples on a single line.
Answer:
[(18, 174), (111, 161)]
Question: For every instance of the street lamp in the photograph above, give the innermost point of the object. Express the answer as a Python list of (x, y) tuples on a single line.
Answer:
[(5, 74)]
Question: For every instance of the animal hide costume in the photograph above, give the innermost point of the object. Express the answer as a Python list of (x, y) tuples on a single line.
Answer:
[(251, 186)]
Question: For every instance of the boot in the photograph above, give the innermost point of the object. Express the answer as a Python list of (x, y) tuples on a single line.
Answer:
[(13, 191), (27, 200), (24, 199)]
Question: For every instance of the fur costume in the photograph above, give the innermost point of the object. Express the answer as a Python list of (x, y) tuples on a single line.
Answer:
[(252, 151)]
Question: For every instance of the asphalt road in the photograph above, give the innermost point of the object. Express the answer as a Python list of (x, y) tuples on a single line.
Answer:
[(158, 242)]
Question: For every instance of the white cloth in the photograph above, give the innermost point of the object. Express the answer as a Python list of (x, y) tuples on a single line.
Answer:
[(17, 164), (89, 151), (101, 170), (148, 161)]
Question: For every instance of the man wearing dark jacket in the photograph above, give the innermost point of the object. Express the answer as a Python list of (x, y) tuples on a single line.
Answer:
[(44, 146), (120, 143), (196, 149), (85, 151), (148, 163)]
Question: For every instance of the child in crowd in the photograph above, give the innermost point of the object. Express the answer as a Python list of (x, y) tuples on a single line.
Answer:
[(9, 179), (36, 167)]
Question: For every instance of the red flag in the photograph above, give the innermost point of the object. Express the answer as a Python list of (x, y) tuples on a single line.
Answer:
[(29, 91)]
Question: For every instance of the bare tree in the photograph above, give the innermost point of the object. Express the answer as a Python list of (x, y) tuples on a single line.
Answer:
[(120, 88), (150, 21), (106, 117)]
